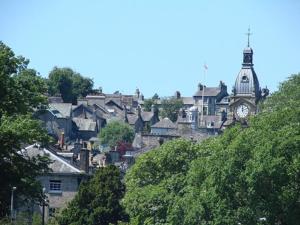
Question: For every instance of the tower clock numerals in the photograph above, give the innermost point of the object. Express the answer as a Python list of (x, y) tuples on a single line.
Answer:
[(242, 111)]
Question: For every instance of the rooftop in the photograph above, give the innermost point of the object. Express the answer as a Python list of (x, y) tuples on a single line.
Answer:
[(85, 124), (164, 123), (58, 164), (62, 110), (208, 91)]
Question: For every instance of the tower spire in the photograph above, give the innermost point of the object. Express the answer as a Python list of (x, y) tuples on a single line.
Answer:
[(248, 34)]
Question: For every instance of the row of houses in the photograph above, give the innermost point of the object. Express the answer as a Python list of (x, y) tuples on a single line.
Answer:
[(86, 119)]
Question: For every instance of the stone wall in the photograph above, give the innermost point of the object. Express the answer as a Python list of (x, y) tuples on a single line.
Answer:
[(59, 199)]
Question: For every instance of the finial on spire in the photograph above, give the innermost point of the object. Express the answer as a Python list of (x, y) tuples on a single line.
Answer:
[(248, 34)]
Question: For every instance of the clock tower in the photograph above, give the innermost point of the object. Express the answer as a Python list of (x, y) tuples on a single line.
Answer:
[(246, 92)]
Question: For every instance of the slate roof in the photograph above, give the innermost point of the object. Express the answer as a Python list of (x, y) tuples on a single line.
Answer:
[(212, 118), (208, 91), (61, 110), (85, 124), (183, 120), (132, 118), (147, 116), (164, 123), (86, 107), (137, 141), (247, 82), (224, 100), (188, 100), (114, 102), (95, 109), (58, 165), (101, 108)]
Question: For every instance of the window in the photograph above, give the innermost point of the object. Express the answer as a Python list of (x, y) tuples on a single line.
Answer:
[(245, 79), (55, 185), (204, 110)]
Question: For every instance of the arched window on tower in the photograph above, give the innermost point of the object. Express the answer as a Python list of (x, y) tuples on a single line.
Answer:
[(245, 79)]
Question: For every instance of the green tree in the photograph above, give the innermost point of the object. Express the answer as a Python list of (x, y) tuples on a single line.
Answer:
[(21, 88), (238, 177), (69, 84), (97, 201), (82, 85), (157, 180), (170, 108), (287, 96), (148, 104), (151, 101), (116, 132), (31, 90), (21, 91)]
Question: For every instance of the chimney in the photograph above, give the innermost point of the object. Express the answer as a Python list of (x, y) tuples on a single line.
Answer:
[(177, 95), (62, 140), (125, 117), (137, 92), (77, 147), (153, 108), (139, 111), (84, 160)]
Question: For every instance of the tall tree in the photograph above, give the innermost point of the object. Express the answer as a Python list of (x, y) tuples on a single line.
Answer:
[(21, 91), (170, 108), (148, 104), (156, 181), (69, 84), (97, 201), (151, 101), (21, 88), (116, 133)]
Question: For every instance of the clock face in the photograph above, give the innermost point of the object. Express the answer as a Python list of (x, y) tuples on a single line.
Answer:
[(242, 111)]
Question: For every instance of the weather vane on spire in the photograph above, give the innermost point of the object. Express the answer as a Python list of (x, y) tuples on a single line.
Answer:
[(248, 34)]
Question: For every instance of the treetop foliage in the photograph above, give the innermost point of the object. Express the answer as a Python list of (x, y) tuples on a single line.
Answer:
[(115, 133), (97, 201), (21, 89), (69, 84), (170, 108)]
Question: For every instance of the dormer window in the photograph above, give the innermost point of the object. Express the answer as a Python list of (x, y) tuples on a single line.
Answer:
[(245, 79)]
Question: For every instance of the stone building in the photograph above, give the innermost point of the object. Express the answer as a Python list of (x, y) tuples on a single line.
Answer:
[(142, 121), (62, 183), (130, 101), (135, 120), (211, 97), (57, 119), (85, 129), (164, 127)]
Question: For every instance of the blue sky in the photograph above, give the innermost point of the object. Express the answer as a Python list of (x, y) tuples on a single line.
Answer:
[(159, 46)]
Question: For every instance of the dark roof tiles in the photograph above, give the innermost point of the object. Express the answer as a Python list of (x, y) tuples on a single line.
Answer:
[(208, 91), (164, 123)]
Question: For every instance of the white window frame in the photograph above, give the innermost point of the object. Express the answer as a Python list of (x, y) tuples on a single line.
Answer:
[(55, 186)]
